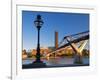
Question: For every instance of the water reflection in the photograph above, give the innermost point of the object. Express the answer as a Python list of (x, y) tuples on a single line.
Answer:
[(57, 61)]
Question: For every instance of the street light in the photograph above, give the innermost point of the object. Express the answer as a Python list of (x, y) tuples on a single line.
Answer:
[(38, 23)]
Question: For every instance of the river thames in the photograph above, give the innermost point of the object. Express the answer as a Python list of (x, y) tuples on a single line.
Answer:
[(58, 61)]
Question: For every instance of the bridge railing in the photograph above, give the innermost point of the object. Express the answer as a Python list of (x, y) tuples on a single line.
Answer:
[(73, 37)]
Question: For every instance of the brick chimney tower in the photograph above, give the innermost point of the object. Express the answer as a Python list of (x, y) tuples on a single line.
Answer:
[(56, 39)]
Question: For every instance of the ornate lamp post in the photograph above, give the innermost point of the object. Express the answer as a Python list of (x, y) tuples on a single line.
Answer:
[(38, 23)]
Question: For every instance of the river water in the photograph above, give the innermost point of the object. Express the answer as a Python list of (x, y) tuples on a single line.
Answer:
[(57, 61)]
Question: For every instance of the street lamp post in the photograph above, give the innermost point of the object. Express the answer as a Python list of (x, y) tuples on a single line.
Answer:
[(38, 23), (37, 63)]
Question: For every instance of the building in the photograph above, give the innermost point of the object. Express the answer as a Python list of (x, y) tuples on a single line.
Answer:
[(42, 51), (56, 39), (24, 54)]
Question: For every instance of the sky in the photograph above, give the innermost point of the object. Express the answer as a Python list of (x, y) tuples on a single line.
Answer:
[(64, 23)]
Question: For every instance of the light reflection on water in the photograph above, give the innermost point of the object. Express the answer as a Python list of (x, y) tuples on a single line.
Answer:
[(57, 61)]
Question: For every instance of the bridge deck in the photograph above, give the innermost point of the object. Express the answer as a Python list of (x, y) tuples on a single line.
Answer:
[(73, 41)]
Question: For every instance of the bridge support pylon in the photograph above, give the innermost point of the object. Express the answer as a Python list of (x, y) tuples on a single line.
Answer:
[(78, 59), (78, 51)]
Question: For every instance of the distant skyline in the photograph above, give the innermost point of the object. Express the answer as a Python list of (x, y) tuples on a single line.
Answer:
[(63, 23)]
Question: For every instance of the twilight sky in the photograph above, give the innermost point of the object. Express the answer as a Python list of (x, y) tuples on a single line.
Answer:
[(64, 23)]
